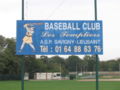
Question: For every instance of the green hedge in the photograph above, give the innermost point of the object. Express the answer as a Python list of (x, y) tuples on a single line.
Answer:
[(10, 77)]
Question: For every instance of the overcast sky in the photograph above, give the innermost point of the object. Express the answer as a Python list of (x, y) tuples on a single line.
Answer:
[(108, 12)]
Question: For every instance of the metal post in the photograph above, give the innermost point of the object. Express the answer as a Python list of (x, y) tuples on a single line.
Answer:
[(22, 74), (95, 7), (97, 57), (22, 62), (76, 70), (119, 67), (60, 71), (97, 72), (22, 9)]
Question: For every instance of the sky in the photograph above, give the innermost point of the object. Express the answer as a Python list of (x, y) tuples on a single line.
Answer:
[(108, 12)]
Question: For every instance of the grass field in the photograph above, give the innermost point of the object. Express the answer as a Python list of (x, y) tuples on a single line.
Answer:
[(58, 85)]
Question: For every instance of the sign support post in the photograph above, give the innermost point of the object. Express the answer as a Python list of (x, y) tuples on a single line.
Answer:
[(97, 72), (22, 74), (97, 57), (22, 62), (58, 49)]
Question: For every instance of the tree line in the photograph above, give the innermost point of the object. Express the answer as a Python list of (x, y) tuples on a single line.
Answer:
[(10, 63)]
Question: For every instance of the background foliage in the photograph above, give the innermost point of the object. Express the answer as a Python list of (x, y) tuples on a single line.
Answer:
[(10, 63)]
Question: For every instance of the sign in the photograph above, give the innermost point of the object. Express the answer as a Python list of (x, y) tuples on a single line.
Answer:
[(59, 37)]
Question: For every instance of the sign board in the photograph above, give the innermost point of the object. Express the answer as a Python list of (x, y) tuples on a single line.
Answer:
[(59, 37)]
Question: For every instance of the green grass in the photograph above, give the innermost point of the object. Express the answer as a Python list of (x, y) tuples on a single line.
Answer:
[(58, 85)]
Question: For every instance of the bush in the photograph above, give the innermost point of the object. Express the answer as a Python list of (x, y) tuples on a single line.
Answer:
[(10, 77), (72, 77)]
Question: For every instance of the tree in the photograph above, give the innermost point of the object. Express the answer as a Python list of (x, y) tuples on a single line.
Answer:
[(93, 62), (112, 65), (2, 43), (73, 63), (33, 66), (45, 59), (58, 64), (2, 62), (103, 66), (11, 60), (56, 59), (118, 62), (90, 62)]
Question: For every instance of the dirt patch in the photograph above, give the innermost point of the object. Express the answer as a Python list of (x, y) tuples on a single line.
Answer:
[(107, 76), (99, 80)]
